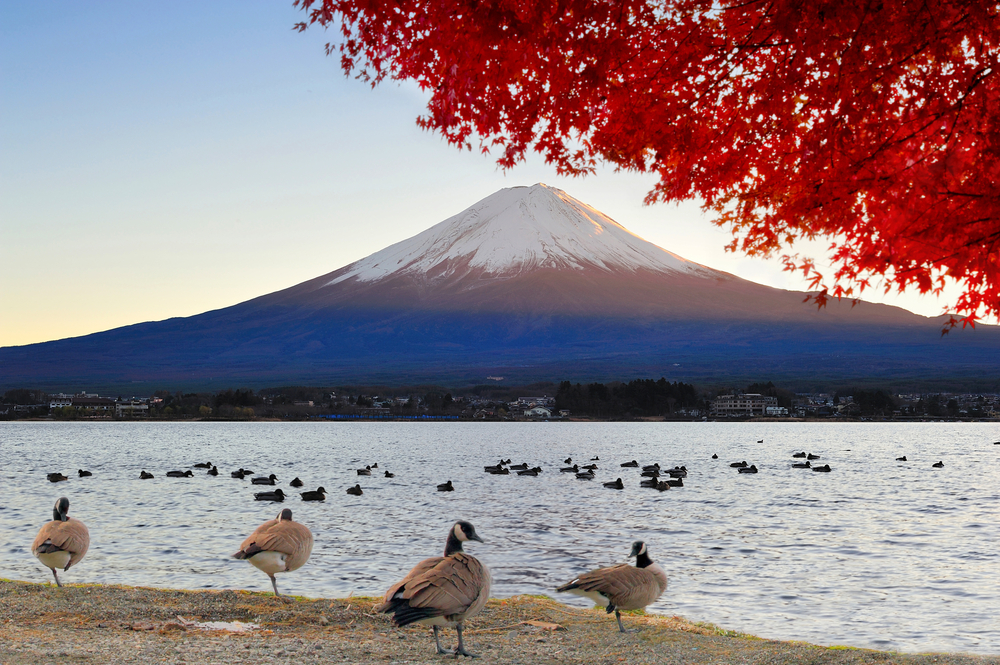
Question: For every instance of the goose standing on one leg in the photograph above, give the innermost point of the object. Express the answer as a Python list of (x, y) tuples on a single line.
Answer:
[(622, 587), (443, 590), (61, 542), (277, 546)]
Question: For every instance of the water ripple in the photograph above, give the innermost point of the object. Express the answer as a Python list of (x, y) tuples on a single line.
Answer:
[(877, 554)]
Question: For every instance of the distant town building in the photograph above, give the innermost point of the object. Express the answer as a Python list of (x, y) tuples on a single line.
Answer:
[(742, 406), (132, 408), (538, 412)]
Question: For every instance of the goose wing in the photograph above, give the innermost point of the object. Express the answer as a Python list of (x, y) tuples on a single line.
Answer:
[(627, 587), (70, 536), (443, 586), (290, 538)]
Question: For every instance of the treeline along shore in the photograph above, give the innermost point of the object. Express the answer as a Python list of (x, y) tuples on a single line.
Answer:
[(40, 623), (636, 399)]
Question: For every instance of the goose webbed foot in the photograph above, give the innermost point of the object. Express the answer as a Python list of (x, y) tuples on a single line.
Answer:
[(460, 649)]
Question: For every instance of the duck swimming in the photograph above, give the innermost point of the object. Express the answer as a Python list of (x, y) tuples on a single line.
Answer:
[(264, 481), (276, 495)]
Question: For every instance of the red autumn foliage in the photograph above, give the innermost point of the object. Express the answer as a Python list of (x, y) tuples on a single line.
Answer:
[(873, 123)]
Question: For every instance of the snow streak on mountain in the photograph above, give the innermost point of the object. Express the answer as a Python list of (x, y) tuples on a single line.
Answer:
[(515, 231)]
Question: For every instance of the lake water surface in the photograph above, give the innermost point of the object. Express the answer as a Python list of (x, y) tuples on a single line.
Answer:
[(877, 553)]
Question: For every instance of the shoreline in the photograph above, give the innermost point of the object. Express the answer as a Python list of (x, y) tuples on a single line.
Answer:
[(41, 623)]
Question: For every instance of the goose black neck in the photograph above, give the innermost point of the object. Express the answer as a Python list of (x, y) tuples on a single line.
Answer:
[(642, 560), (453, 545)]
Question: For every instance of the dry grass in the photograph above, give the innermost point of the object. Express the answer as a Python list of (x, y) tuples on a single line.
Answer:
[(103, 624)]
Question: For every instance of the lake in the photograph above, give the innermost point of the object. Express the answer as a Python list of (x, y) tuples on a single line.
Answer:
[(878, 553)]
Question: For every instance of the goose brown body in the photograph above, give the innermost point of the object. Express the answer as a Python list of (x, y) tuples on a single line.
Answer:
[(280, 545), (622, 587), (61, 542), (442, 591)]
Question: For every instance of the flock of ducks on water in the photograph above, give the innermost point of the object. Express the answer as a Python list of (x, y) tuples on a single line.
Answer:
[(438, 592)]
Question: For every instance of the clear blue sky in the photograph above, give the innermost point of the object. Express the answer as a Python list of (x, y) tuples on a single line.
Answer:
[(165, 159)]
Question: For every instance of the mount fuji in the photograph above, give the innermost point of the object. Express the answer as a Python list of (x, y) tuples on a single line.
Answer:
[(529, 283)]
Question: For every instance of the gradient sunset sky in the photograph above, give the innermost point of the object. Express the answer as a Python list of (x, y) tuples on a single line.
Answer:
[(165, 159)]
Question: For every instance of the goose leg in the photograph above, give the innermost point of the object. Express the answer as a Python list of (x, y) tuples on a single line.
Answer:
[(460, 649), (437, 642), (274, 584), (621, 628), (56, 575)]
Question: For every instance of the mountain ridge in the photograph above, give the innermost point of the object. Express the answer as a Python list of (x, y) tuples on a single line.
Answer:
[(581, 298)]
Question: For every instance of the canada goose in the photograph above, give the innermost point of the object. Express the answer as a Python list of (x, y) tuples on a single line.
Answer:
[(238, 474), (180, 474), (367, 471), (570, 469), (277, 546), (264, 481), (622, 587), (798, 455), (56, 477), (203, 465), (750, 469), (802, 465), (901, 459), (296, 482), (84, 474), (519, 467), (144, 475), (811, 456), (616, 485), (633, 463), (213, 471), (592, 467), (443, 590), (355, 491), (276, 495), (446, 487), (61, 542), (389, 475), (737, 465), (568, 460), (938, 465), (824, 469), (318, 495), (586, 475), (529, 472)]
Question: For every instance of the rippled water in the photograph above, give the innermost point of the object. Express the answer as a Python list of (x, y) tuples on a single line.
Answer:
[(877, 553)]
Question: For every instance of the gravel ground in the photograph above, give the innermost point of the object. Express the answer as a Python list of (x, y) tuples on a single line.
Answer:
[(110, 624)]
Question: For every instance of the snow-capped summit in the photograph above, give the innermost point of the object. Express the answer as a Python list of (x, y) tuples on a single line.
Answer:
[(514, 231)]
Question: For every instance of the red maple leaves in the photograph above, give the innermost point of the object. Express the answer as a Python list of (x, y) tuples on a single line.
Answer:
[(871, 123)]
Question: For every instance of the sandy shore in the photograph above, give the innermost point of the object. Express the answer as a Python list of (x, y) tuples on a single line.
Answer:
[(110, 624)]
